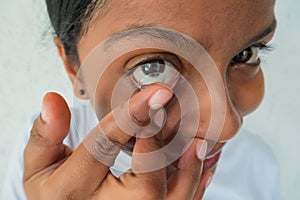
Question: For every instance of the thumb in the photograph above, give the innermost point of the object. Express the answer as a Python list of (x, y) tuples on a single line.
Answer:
[(45, 145)]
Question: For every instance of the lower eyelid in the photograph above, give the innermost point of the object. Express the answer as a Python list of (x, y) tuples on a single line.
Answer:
[(248, 70)]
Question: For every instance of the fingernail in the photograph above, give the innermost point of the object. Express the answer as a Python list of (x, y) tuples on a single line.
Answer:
[(44, 115), (160, 98), (159, 118), (201, 149), (208, 181)]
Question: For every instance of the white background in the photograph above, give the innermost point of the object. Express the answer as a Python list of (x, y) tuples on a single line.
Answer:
[(29, 67)]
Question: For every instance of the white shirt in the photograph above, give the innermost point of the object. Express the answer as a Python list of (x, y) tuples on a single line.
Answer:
[(247, 169)]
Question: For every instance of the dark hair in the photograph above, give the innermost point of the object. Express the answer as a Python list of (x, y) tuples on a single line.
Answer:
[(69, 19)]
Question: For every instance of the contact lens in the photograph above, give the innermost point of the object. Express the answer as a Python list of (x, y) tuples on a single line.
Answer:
[(155, 71)]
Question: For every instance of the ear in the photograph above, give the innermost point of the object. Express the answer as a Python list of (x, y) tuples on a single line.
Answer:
[(71, 69)]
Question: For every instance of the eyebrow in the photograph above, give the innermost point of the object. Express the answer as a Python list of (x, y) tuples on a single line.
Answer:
[(150, 32), (269, 29)]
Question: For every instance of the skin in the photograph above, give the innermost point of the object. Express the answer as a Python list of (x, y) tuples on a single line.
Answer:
[(245, 87), (223, 28)]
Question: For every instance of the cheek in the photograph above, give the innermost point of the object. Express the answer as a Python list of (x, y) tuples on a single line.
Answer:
[(247, 94), (102, 97)]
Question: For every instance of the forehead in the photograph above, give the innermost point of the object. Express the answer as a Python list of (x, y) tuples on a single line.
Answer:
[(190, 7), (207, 21)]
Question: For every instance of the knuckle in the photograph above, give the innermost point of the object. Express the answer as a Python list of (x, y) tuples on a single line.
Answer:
[(35, 133), (109, 131), (140, 120)]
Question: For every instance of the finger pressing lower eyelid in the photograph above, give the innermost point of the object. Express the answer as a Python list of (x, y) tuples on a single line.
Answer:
[(125, 122), (173, 119)]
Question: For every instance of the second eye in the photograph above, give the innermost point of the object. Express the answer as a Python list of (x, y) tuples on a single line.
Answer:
[(248, 56)]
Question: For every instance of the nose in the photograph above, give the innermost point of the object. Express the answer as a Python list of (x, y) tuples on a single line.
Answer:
[(233, 120), (220, 119)]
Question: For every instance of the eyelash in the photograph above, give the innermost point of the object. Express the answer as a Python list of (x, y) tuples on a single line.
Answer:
[(265, 48)]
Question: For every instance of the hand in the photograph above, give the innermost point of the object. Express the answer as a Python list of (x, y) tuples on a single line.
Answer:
[(53, 171)]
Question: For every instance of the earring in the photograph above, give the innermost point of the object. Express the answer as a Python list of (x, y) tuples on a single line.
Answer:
[(81, 92)]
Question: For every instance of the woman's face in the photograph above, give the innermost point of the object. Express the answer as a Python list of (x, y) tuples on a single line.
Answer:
[(226, 29)]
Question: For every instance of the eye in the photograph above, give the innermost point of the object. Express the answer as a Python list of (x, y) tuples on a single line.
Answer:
[(155, 71), (248, 56)]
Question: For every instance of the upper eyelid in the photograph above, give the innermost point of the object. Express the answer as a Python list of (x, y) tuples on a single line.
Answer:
[(262, 47), (267, 47), (137, 60), (259, 45)]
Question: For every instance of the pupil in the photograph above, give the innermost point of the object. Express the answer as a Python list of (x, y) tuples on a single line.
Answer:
[(153, 68), (243, 56)]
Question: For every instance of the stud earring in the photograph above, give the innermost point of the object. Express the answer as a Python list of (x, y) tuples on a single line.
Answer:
[(81, 92)]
